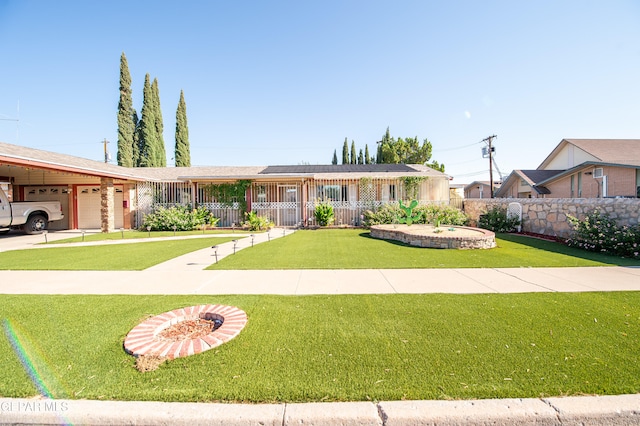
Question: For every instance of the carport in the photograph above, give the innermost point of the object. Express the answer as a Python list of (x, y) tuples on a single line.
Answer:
[(92, 194)]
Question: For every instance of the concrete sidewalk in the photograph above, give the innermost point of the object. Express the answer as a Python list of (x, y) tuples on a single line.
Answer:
[(186, 275)]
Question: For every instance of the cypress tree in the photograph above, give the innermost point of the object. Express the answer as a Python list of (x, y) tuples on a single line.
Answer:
[(136, 139), (126, 127), (360, 157), (367, 158), (345, 152), (182, 154), (160, 153), (147, 133), (335, 158), (354, 156)]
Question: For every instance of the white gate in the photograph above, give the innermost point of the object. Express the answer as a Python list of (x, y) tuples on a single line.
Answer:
[(515, 210)]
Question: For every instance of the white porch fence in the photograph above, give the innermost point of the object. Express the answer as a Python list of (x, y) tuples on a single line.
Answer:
[(292, 203)]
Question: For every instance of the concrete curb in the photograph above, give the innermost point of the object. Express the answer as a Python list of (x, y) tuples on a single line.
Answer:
[(582, 410)]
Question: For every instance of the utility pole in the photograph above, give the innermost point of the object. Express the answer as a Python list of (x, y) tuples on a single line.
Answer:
[(106, 152), (488, 141)]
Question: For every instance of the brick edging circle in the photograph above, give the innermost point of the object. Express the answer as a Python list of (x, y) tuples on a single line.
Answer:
[(142, 339)]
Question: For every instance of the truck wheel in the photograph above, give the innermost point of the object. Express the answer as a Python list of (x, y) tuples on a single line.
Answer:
[(35, 225)]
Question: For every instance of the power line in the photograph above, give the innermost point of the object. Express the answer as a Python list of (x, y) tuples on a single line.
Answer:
[(457, 147)]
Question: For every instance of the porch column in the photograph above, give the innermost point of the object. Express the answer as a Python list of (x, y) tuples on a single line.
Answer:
[(107, 205)]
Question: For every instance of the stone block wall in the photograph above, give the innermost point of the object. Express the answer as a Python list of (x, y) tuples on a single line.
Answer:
[(548, 216)]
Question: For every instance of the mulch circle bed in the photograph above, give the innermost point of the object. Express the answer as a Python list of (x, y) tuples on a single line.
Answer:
[(189, 329), (185, 331)]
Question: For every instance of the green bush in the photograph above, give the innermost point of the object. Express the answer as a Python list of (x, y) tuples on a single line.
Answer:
[(496, 220), (257, 223), (432, 213), (179, 218), (445, 215), (600, 233), (324, 214)]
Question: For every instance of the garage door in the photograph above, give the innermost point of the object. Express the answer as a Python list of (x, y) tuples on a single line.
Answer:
[(51, 193), (89, 206)]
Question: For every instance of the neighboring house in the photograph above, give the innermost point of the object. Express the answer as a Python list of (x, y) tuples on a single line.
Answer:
[(581, 168), (523, 184), (480, 189), (98, 195)]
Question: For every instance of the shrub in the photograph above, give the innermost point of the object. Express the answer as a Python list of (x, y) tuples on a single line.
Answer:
[(180, 218), (432, 213), (257, 223), (324, 214), (496, 220), (599, 232), (445, 215), (386, 214)]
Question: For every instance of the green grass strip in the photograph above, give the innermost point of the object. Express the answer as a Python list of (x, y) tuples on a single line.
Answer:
[(335, 348), (355, 249), (108, 257)]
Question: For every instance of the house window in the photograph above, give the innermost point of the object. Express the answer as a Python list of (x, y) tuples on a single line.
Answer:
[(333, 192), (579, 185), (262, 194), (392, 193), (572, 186)]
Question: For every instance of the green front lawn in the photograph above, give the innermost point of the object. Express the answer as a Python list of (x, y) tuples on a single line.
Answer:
[(108, 257), (321, 249), (333, 348), (135, 234), (355, 249)]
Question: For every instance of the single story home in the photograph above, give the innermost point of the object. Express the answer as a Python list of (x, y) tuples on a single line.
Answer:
[(106, 196), (581, 168), (480, 189)]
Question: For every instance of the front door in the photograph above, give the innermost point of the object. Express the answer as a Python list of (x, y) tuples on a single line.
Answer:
[(287, 205)]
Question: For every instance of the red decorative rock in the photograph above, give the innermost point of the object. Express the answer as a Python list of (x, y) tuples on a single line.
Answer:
[(144, 338)]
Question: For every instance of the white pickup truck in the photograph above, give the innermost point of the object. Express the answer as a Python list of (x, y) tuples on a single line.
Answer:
[(32, 216)]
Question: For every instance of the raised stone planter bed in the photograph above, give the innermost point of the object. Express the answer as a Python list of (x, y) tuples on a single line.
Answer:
[(146, 339), (444, 237)]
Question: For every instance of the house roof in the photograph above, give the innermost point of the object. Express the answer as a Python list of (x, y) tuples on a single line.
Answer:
[(533, 177), (496, 184), (30, 157), (200, 172), (612, 151), (338, 171), (36, 158), (339, 168)]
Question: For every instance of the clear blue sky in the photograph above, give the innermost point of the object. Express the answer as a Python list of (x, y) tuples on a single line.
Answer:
[(284, 82)]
